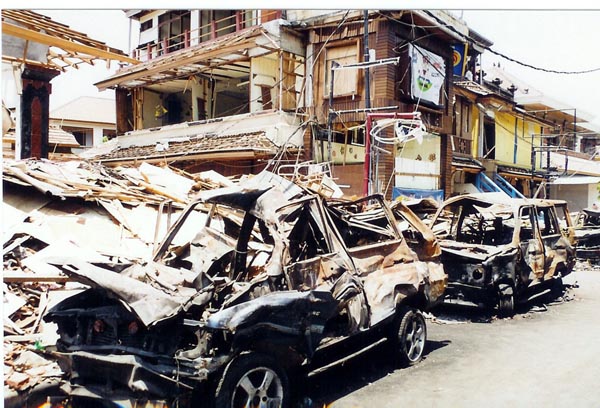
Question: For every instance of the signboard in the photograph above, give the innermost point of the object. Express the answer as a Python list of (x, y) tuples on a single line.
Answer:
[(428, 72)]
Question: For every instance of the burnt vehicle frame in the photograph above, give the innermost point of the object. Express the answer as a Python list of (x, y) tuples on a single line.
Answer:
[(253, 284), (498, 251), (587, 234)]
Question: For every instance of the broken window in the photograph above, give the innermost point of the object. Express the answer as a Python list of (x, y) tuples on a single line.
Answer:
[(482, 225), (547, 222), (345, 80), (489, 140), (527, 224), (362, 222)]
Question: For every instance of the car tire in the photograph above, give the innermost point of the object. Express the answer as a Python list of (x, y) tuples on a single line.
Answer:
[(253, 379), (409, 336), (506, 305), (557, 289)]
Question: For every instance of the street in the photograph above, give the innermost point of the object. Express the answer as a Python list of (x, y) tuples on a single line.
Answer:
[(544, 356)]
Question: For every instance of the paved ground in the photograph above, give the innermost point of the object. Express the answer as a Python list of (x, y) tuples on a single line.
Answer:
[(543, 357)]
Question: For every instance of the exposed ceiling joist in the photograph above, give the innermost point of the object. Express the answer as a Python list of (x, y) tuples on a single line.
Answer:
[(176, 64), (30, 35)]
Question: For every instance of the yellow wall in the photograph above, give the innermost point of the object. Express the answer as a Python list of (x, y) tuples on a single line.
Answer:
[(505, 139), (474, 129)]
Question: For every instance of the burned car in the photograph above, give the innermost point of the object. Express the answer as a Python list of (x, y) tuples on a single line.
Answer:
[(419, 237), (253, 284), (587, 232), (498, 251)]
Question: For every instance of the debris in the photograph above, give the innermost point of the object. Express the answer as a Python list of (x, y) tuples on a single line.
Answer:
[(65, 217)]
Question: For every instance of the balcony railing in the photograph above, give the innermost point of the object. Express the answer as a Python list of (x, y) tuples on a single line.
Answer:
[(239, 21)]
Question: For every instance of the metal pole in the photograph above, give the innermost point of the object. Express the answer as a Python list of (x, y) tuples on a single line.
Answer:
[(367, 165), (577, 146), (366, 59), (367, 93), (330, 112)]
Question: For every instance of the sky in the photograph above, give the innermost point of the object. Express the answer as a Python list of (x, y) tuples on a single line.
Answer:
[(556, 39)]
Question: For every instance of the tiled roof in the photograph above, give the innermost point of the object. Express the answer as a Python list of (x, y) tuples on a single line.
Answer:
[(255, 141), (87, 109), (56, 136)]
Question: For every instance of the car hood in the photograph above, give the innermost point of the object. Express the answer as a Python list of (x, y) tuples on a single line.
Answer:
[(476, 252), (162, 293)]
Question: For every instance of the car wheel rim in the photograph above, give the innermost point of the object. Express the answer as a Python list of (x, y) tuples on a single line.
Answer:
[(260, 388), (415, 339)]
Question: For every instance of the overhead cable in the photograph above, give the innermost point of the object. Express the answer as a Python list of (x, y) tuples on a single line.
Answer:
[(553, 71)]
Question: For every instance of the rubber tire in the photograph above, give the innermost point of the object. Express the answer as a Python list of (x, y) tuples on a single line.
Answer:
[(557, 289), (506, 305), (404, 335), (239, 368)]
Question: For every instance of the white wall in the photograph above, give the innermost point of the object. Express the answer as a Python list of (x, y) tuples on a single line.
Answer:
[(578, 196), (419, 159)]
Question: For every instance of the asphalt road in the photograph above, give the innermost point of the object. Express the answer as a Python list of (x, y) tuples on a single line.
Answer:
[(546, 356)]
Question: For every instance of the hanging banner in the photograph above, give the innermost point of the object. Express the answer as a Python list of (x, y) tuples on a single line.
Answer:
[(428, 75), (459, 59)]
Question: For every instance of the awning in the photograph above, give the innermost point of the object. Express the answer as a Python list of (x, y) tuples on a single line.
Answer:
[(519, 173), (225, 56), (467, 164), (576, 180)]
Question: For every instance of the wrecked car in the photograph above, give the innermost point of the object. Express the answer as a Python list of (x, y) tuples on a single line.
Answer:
[(498, 251), (419, 237), (252, 285), (587, 233)]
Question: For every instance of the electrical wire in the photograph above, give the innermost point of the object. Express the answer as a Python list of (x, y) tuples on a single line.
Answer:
[(552, 71)]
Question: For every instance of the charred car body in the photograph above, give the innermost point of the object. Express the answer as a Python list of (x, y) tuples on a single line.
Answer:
[(497, 250), (251, 284), (587, 232)]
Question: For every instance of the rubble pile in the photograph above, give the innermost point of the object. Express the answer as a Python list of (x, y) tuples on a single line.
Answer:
[(81, 209), (92, 181), (25, 335)]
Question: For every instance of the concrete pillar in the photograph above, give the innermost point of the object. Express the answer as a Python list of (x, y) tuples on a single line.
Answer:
[(97, 135)]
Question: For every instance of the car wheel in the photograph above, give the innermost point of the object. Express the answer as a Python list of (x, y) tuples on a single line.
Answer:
[(506, 305), (557, 289), (253, 380), (410, 336)]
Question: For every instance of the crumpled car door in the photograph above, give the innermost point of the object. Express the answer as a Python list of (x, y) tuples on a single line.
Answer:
[(532, 248)]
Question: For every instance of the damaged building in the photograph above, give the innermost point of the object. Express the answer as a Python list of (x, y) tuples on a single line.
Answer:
[(36, 49), (297, 85), (214, 90)]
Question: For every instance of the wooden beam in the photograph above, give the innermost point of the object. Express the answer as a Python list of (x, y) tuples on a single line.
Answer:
[(21, 278), (31, 35), (171, 63)]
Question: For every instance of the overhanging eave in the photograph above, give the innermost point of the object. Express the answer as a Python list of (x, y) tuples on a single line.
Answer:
[(205, 57)]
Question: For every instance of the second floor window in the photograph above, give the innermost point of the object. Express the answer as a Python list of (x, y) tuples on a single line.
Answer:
[(172, 27)]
